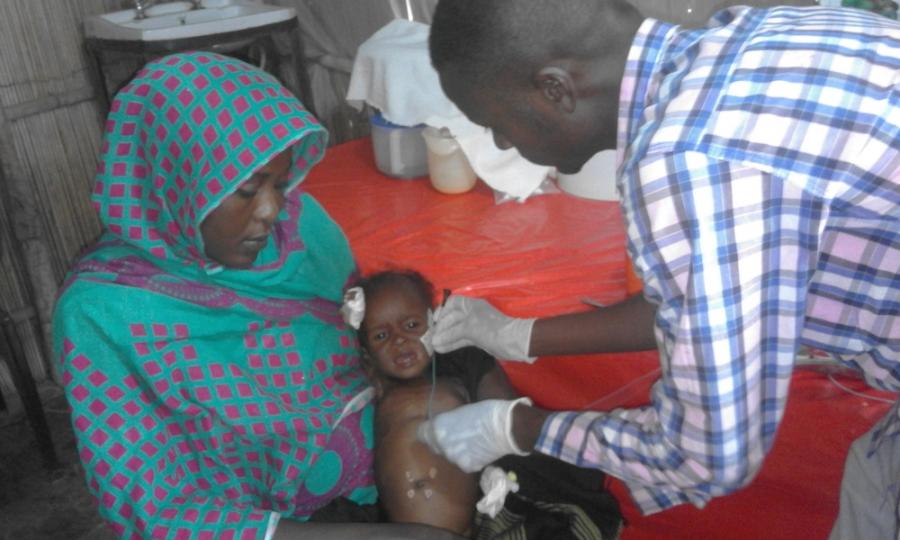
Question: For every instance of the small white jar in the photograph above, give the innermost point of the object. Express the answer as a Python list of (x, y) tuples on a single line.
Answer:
[(448, 166)]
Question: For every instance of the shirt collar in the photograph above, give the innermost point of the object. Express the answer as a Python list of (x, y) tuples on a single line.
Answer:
[(647, 53)]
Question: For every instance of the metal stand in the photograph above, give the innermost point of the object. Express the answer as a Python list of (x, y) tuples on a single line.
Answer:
[(11, 348), (241, 39)]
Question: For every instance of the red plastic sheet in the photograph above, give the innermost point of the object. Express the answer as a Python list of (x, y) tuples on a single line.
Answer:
[(542, 257)]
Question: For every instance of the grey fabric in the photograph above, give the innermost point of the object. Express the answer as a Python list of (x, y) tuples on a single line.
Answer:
[(559, 521), (870, 489)]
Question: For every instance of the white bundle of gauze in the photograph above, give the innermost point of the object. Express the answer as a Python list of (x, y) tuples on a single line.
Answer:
[(495, 484), (393, 73)]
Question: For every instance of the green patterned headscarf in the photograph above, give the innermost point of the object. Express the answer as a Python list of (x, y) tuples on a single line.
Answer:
[(207, 399)]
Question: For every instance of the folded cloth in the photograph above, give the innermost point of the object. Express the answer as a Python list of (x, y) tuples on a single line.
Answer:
[(393, 73)]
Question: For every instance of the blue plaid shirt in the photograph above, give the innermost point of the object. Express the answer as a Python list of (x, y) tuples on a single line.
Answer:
[(760, 180)]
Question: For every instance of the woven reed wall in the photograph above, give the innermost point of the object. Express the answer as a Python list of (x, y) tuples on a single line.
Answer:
[(49, 138)]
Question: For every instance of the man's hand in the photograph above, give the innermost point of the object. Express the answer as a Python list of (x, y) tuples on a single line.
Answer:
[(472, 436), (465, 321)]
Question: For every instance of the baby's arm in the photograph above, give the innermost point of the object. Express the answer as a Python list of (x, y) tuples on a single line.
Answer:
[(414, 484)]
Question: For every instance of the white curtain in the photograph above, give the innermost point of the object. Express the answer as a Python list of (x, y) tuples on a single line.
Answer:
[(331, 31)]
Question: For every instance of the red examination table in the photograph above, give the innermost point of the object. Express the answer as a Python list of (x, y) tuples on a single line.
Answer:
[(544, 256)]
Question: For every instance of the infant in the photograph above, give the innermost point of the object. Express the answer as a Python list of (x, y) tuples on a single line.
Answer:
[(556, 500), (416, 485)]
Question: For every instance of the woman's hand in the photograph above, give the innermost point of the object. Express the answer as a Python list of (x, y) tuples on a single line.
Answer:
[(465, 321), (292, 530)]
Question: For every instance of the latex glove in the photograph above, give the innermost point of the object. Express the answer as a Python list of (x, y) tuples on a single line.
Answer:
[(474, 435), (429, 334), (465, 321)]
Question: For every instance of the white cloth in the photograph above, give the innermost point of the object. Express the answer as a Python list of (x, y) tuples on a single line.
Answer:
[(496, 484), (392, 72)]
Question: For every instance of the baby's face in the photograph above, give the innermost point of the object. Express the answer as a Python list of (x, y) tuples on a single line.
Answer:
[(395, 320)]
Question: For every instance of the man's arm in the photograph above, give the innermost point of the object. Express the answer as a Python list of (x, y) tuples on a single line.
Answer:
[(733, 280), (464, 321), (626, 326)]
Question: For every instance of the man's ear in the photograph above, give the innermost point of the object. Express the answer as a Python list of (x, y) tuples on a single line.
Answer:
[(557, 87)]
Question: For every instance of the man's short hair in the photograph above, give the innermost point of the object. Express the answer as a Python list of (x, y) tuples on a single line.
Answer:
[(481, 40)]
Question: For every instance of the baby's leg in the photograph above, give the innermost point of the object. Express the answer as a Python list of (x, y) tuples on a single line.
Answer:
[(414, 484)]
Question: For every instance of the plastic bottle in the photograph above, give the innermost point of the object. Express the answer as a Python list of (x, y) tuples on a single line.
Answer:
[(399, 150), (448, 167)]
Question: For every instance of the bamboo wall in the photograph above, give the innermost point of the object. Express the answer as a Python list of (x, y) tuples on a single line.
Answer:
[(50, 132), (49, 138)]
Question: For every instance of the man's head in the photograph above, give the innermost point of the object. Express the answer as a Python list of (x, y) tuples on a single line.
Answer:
[(543, 75)]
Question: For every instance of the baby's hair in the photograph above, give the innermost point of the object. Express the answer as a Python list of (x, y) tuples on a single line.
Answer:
[(388, 278)]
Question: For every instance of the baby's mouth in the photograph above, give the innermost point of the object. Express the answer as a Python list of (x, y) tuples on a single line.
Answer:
[(405, 360)]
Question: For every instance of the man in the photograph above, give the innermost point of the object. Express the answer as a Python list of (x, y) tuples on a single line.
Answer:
[(760, 181)]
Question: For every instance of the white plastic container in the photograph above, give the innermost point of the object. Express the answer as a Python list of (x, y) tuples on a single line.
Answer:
[(596, 180), (448, 166), (399, 150)]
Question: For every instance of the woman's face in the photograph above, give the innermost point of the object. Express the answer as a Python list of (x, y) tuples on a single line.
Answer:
[(395, 319), (237, 230)]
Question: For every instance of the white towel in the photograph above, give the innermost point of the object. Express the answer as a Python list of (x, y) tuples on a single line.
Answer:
[(392, 72)]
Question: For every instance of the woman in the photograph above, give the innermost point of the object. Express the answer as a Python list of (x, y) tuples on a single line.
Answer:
[(213, 385)]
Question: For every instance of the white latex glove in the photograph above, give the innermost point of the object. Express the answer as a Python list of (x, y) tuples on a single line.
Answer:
[(428, 335), (474, 435), (465, 321)]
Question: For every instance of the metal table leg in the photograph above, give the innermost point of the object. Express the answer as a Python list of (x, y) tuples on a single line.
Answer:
[(298, 64)]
